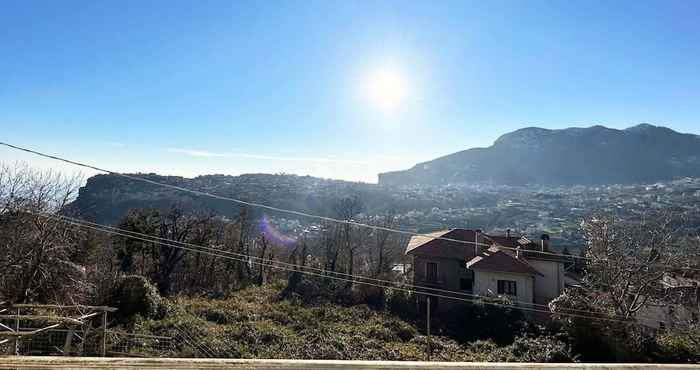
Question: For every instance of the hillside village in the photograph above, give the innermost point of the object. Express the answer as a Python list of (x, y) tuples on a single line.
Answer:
[(530, 210)]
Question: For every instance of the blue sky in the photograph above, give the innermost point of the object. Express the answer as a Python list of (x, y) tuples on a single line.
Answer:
[(197, 87)]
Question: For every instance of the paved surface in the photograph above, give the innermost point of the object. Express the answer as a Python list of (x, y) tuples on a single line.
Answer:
[(28, 362)]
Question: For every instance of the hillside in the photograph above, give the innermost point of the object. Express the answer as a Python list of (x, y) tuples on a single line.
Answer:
[(586, 156), (106, 198), (256, 323)]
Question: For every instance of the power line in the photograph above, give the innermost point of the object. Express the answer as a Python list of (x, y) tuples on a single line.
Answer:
[(238, 201), (276, 265), (320, 270), (301, 214)]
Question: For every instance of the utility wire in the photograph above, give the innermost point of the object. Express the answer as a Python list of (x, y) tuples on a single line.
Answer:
[(320, 270), (264, 206), (296, 213), (274, 264)]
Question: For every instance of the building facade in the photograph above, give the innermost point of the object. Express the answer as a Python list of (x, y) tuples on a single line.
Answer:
[(468, 261)]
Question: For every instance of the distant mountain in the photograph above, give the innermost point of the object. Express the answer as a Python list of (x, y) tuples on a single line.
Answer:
[(586, 156), (106, 198)]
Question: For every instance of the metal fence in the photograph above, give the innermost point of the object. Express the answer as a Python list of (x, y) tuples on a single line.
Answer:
[(65, 342)]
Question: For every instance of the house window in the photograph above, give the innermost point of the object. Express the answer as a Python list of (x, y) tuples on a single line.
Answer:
[(507, 287), (431, 271)]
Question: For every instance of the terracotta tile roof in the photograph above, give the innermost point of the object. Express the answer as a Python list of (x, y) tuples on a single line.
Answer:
[(506, 241), (495, 259), (430, 246)]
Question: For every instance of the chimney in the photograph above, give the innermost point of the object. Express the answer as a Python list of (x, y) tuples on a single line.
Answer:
[(545, 242), (508, 233)]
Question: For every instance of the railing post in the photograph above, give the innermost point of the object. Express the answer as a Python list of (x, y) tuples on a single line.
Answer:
[(428, 326), (17, 339), (69, 341), (103, 347)]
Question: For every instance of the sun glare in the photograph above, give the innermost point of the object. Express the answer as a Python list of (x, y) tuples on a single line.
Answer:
[(386, 89)]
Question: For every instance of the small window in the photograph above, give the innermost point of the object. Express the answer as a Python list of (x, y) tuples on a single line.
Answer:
[(466, 284), (431, 271), (507, 287)]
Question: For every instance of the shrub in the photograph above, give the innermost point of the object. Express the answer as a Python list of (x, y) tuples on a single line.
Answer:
[(402, 329), (372, 296), (316, 291), (540, 349), (135, 295), (475, 321), (402, 304), (678, 347)]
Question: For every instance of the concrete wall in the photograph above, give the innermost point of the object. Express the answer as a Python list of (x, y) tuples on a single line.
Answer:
[(75, 363), (449, 275), (551, 285), (449, 272), (486, 283), (652, 315)]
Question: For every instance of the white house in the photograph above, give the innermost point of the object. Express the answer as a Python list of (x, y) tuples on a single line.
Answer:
[(487, 265)]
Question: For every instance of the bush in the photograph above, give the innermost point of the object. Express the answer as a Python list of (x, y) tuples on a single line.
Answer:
[(135, 295), (402, 329), (317, 291), (678, 347), (540, 349), (402, 304), (475, 321), (372, 296)]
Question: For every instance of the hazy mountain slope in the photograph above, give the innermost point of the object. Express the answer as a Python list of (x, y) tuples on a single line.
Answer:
[(594, 155), (106, 198)]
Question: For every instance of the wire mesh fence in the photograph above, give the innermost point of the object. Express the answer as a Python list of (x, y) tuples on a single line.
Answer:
[(66, 342)]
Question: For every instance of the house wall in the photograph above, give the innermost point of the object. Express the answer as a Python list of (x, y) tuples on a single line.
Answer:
[(486, 283), (449, 275), (652, 315), (551, 285), (449, 272)]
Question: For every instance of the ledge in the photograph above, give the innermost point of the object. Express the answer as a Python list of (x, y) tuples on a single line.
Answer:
[(29, 362)]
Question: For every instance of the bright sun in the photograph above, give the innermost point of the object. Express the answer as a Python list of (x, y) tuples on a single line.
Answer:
[(386, 89)]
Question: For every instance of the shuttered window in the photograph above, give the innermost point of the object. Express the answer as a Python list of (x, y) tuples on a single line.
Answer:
[(507, 287), (431, 271)]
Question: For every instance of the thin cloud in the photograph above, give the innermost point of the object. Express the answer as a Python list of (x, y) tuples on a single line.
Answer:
[(116, 144), (198, 153), (204, 153)]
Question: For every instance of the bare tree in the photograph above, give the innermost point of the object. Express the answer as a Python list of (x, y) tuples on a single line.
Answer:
[(158, 261), (624, 272), (383, 251), (627, 260), (39, 254), (346, 209)]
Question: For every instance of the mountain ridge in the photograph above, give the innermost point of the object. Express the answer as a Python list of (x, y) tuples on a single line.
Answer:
[(570, 156)]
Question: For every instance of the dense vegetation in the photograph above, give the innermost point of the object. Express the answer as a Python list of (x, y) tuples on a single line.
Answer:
[(257, 323), (255, 293)]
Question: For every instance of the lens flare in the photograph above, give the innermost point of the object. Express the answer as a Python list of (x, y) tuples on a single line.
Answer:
[(274, 235)]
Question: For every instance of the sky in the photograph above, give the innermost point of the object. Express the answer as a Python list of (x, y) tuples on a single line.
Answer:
[(337, 89)]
